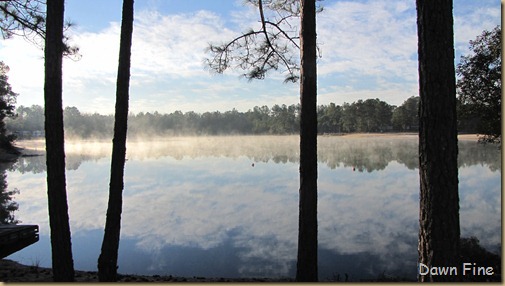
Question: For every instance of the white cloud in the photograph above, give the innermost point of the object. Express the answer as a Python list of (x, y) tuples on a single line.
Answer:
[(373, 38), (168, 52), (163, 45), (471, 24), (26, 75), (99, 56), (174, 45), (369, 50)]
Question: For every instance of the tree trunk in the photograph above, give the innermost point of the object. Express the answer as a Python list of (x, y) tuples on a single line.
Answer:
[(61, 246), (439, 230), (307, 229), (107, 262)]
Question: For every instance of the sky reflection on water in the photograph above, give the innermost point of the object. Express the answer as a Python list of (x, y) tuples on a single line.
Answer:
[(198, 207)]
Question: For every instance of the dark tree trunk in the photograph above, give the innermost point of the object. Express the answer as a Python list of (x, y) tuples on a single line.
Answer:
[(107, 262), (438, 150), (307, 229), (61, 246)]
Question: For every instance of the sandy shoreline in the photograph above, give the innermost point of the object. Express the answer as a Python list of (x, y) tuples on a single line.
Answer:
[(471, 137)]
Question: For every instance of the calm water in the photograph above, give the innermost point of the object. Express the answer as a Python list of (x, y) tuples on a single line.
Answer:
[(199, 207)]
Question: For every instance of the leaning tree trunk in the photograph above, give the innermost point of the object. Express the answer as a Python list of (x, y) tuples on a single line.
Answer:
[(107, 262), (307, 229), (61, 246), (438, 147)]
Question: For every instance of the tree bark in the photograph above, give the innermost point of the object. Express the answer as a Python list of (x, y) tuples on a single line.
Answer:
[(439, 230), (61, 246), (107, 262), (307, 231)]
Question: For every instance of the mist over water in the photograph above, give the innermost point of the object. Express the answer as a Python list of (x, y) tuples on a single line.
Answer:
[(228, 206)]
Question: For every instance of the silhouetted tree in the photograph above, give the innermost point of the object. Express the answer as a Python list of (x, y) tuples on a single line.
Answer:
[(439, 231), (479, 85), (46, 29), (63, 265), (306, 268), (107, 262), (7, 100), (268, 48)]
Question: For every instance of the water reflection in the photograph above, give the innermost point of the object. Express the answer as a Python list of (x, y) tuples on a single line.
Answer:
[(199, 208), (364, 154), (8, 206)]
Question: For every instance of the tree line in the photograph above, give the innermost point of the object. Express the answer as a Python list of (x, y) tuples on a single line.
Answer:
[(370, 115)]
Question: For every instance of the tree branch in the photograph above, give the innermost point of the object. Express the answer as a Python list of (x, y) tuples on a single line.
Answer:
[(257, 56), (26, 18), (24, 22)]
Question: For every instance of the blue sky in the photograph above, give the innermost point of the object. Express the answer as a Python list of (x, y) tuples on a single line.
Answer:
[(368, 47)]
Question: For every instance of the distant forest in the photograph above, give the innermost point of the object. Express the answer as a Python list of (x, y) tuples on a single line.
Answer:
[(371, 115)]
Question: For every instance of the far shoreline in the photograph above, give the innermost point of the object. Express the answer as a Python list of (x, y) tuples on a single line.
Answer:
[(36, 144)]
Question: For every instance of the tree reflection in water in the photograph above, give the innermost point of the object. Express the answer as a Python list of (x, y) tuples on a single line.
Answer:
[(7, 204), (362, 153), (206, 200)]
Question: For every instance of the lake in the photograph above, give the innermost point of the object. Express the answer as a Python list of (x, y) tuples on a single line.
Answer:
[(228, 206)]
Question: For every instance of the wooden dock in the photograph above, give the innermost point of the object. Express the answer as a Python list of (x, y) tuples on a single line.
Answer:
[(16, 237)]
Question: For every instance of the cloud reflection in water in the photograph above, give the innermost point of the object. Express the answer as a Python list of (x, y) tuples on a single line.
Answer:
[(198, 207)]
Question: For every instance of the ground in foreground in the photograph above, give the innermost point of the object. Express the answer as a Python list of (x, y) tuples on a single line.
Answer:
[(11, 271)]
